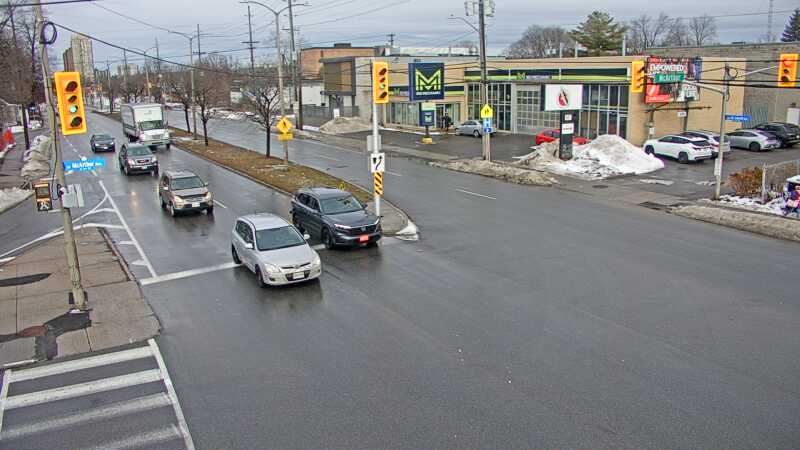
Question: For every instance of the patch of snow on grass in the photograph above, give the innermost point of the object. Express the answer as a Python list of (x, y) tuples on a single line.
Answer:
[(752, 204)]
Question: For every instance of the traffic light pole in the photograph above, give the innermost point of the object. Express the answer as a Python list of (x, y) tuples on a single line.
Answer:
[(70, 248), (375, 149), (485, 137)]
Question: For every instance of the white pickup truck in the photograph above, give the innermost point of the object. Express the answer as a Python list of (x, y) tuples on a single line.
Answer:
[(145, 123)]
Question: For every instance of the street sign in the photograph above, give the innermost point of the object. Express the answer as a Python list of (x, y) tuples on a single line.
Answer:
[(682, 114), (285, 137), (377, 178), (487, 112), (737, 117), (488, 130), (377, 162), (84, 165), (665, 78), (487, 122), (284, 125), (567, 128)]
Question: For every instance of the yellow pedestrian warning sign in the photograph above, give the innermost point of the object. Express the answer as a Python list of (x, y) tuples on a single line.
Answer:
[(285, 137), (378, 179), (284, 125), (487, 112)]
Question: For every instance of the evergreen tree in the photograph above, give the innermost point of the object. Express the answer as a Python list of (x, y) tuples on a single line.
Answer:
[(792, 31), (599, 34)]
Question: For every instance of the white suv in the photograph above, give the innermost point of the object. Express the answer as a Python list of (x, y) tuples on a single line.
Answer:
[(682, 148)]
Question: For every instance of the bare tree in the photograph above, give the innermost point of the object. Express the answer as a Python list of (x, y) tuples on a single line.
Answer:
[(541, 42), (646, 32), (180, 86), (703, 30), (468, 44), (212, 87), (678, 35), (261, 98)]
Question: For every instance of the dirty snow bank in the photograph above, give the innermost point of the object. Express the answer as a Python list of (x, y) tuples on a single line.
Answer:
[(750, 204), (608, 155), (743, 220), (341, 125), (10, 197), (501, 171), (409, 233), (37, 160)]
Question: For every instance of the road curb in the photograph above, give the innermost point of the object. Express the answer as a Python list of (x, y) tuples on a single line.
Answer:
[(751, 221)]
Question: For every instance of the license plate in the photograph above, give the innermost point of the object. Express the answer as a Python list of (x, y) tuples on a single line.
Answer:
[(195, 205), (299, 276), (363, 238)]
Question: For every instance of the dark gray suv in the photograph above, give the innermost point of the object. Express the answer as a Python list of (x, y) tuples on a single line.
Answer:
[(335, 216)]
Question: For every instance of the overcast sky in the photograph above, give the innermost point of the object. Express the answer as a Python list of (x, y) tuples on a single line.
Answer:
[(415, 23)]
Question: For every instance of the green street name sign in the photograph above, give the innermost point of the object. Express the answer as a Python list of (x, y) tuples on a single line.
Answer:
[(675, 77)]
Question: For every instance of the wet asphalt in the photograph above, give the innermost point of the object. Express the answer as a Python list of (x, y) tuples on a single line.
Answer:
[(523, 318)]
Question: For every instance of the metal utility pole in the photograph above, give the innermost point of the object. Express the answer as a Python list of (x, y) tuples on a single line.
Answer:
[(770, 36), (158, 74), (486, 137), (718, 163), (391, 39), (78, 294), (125, 73), (108, 89), (194, 105), (250, 43), (282, 100), (297, 80)]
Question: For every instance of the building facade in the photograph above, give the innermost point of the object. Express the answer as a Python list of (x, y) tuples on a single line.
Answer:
[(311, 57), (762, 104), (514, 92), (82, 58), (69, 61)]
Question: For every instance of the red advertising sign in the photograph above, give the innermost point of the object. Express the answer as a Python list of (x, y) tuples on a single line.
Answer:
[(658, 69)]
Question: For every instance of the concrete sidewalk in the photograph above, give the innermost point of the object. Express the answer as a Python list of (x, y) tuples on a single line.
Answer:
[(34, 293)]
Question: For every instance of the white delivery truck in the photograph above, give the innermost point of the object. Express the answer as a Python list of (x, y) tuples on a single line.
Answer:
[(145, 123)]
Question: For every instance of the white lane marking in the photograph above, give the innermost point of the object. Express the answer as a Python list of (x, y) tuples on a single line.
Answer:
[(81, 389), (125, 243), (220, 204), (394, 173), (184, 427), (81, 364), (4, 393), (118, 409), (128, 230), (9, 259), (187, 273), (326, 157), (475, 194), (148, 438)]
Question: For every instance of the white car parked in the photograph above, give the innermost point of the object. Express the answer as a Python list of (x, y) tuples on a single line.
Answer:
[(682, 148)]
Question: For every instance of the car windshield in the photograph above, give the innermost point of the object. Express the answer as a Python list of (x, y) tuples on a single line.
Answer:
[(275, 238), (186, 183), (103, 137), (340, 205), (139, 151), (151, 125)]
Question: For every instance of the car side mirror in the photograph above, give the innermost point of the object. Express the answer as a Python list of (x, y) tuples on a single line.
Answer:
[(248, 245), (307, 236)]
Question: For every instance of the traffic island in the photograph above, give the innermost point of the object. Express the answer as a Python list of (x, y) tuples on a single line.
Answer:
[(38, 323)]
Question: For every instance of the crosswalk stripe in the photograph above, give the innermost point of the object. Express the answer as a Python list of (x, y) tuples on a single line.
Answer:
[(127, 407), (80, 364), (140, 440), (173, 396), (81, 389)]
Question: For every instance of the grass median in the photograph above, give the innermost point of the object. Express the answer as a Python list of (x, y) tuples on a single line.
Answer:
[(269, 171)]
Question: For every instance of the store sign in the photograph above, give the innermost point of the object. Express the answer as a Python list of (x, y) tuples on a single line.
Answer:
[(425, 81), (562, 97), (427, 114), (665, 76)]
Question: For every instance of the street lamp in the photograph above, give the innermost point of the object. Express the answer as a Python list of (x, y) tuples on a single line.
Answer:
[(147, 71), (191, 71)]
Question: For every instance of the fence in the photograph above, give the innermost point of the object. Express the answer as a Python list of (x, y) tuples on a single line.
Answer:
[(758, 114), (773, 178), (326, 112)]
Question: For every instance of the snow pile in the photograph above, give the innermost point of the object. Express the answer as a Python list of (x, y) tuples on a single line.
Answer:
[(608, 155), (10, 197), (37, 159), (342, 125), (409, 233), (752, 204), (501, 171)]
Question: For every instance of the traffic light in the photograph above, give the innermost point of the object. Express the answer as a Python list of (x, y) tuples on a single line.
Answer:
[(44, 201), (787, 71), (638, 76), (70, 102), (380, 82)]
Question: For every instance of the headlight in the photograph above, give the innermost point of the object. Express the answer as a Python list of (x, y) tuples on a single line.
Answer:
[(142, 137), (166, 135), (130, 161), (272, 268), (207, 197), (342, 227), (316, 261), (178, 200)]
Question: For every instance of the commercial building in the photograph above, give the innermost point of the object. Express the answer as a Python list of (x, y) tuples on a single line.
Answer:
[(69, 61), (515, 86), (763, 104), (79, 58), (311, 57), (133, 69)]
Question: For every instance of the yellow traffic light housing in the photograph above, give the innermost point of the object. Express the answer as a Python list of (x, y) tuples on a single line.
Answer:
[(380, 82), (787, 71), (70, 102), (638, 77)]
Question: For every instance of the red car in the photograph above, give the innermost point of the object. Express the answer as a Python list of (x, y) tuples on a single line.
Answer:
[(552, 134)]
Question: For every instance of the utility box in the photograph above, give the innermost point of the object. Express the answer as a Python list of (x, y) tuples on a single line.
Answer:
[(73, 198)]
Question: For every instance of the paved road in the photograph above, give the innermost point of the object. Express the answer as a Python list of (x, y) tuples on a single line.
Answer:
[(524, 318)]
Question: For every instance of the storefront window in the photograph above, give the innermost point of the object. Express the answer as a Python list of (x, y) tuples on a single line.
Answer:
[(605, 110)]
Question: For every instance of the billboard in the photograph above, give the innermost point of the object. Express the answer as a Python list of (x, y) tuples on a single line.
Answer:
[(562, 97), (665, 76), (425, 81)]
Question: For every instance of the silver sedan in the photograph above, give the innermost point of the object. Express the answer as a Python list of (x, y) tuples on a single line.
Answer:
[(753, 140), (471, 128)]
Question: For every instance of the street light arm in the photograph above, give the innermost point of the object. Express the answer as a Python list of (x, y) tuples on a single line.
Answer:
[(276, 12), (452, 17)]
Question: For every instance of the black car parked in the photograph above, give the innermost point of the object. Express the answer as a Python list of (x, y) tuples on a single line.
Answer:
[(787, 133), (335, 216), (103, 143)]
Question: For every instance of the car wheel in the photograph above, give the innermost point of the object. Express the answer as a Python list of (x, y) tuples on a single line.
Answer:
[(163, 204), (260, 278), (755, 147), (476, 133), (171, 210), (168, 145), (297, 224), (210, 210), (650, 150), (683, 158), (235, 256), (327, 239)]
